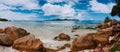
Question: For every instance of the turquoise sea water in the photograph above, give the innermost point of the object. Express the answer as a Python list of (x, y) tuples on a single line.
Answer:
[(43, 29)]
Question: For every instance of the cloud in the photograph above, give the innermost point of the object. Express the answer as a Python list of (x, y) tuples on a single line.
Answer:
[(7, 5), (25, 4), (83, 15), (4, 7), (52, 1), (65, 10), (69, 2), (16, 16), (101, 8)]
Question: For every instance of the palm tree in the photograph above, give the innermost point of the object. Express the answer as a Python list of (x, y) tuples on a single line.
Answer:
[(107, 19)]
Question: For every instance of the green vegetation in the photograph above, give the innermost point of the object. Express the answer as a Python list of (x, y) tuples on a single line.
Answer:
[(116, 9), (114, 48), (107, 19), (1, 19), (63, 20)]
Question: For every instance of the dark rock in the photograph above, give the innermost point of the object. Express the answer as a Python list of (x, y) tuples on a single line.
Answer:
[(90, 28), (50, 50), (62, 37), (114, 22), (5, 40), (75, 27), (21, 32), (56, 38), (1, 31), (76, 35), (63, 47), (2, 19)]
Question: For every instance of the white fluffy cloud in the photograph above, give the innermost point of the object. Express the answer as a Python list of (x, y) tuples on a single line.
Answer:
[(52, 1), (81, 15), (6, 5), (70, 2), (101, 8), (3, 7), (26, 4), (65, 10), (16, 16)]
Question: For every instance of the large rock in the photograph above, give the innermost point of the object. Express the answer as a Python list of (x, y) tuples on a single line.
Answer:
[(107, 31), (116, 29), (5, 40), (109, 24), (89, 41), (103, 35), (100, 37), (1, 31), (103, 25), (114, 22), (21, 32), (15, 32), (103, 39), (28, 43), (11, 32), (62, 37), (44, 50), (83, 42)]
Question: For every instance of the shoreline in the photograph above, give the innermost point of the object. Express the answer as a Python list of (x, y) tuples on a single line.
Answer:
[(49, 42)]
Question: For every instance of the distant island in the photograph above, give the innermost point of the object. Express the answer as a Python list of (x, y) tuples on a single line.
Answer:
[(2, 19), (63, 20)]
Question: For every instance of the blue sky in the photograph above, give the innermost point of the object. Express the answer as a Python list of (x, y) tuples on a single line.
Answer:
[(52, 9)]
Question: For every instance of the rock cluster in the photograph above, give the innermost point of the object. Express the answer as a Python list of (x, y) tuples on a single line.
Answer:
[(10, 34), (98, 39), (21, 40)]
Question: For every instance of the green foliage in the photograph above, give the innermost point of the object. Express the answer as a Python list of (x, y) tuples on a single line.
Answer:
[(116, 9), (1, 19), (107, 19), (114, 48)]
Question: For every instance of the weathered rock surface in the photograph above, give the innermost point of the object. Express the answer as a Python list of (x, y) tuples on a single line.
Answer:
[(103, 25), (101, 39), (21, 32), (62, 37), (5, 40), (10, 31), (1, 31), (28, 43), (15, 32), (83, 42)]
